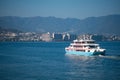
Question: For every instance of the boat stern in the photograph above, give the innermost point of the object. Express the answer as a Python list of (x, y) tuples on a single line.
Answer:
[(100, 52)]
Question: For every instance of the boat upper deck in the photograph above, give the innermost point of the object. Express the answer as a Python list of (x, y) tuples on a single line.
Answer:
[(84, 41)]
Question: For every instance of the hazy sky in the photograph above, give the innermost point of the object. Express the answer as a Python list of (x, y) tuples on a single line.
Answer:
[(59, 8)]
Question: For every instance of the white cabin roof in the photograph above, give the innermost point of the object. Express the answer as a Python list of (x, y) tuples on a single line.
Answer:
[(85, 44), (82, 40)]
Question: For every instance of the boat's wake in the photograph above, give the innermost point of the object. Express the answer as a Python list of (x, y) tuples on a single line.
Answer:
[(117, 57)]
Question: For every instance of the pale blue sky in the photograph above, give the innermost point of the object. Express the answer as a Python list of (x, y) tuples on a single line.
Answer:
[(59, 8)]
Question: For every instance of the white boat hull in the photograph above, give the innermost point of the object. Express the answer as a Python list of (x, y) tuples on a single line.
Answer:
[(85, 53)]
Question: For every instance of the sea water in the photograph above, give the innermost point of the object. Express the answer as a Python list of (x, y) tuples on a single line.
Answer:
[(48, 61)]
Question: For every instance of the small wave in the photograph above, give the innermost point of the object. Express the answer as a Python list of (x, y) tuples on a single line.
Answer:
[(79, 57), (117, 57)]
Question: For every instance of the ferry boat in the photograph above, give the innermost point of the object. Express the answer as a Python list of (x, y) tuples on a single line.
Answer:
[(85, 47)]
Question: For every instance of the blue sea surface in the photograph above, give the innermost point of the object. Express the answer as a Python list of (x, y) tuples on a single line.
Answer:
[(48, 61)]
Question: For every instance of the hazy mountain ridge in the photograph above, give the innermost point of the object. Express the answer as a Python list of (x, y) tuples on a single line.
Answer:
[(104, 24)]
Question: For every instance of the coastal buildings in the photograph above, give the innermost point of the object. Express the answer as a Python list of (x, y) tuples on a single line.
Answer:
[(63, 36), (48, 37)]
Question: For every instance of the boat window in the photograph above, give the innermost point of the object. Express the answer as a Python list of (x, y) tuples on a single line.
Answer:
[(92, 46), (83, 42), (77, 46), (81, 50), (90, 42), (77, 42)]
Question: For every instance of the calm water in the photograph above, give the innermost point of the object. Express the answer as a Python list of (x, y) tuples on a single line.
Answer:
[(47, 61)]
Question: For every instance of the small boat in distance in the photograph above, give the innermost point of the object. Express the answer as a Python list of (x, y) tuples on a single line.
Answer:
[(85, 47)]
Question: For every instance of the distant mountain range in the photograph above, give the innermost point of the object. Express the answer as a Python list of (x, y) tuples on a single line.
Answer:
[(100, 25)]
